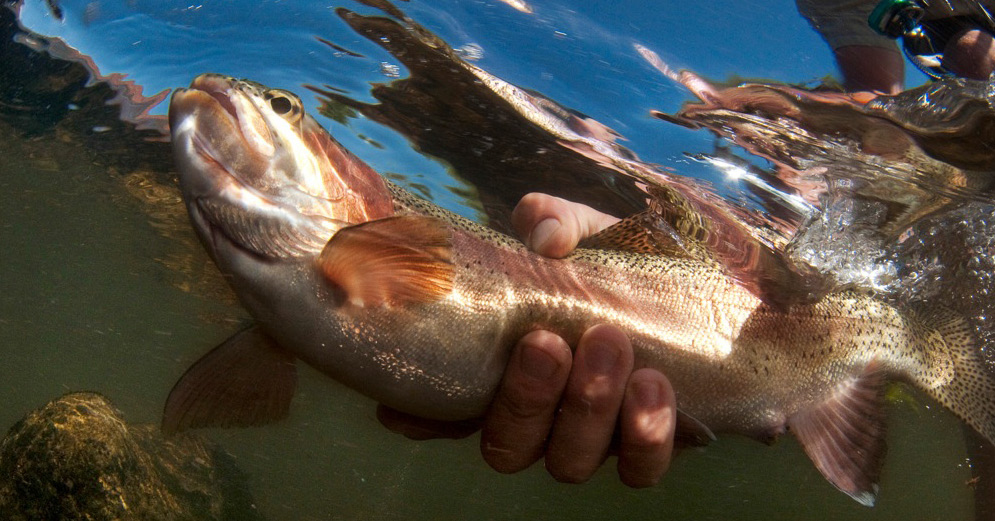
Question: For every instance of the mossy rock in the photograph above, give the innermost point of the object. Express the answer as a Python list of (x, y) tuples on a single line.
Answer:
[(76, 458)]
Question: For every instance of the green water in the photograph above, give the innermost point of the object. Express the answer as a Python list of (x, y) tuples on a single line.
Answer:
[(91, 299)]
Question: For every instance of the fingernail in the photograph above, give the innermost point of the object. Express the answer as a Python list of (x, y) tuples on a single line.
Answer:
[(542, 232), (538, 363), (647, 394), (601, 358)]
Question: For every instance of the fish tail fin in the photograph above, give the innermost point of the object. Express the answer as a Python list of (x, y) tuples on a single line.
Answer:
[(949, 366)]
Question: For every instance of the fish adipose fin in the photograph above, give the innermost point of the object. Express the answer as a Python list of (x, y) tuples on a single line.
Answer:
[(844, 436), (247, 380), (394, 261)]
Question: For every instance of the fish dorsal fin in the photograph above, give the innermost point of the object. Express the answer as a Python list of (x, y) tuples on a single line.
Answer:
[(394, 261), (247, 380), (642, 233), (844, 435)]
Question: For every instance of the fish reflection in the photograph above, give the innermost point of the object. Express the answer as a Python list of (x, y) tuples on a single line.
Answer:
[(952, 121), (871, 165)]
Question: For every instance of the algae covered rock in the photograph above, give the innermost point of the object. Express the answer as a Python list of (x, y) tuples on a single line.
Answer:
[(76, 458)]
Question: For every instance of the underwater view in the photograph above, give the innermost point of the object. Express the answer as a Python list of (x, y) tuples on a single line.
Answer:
[(169, 187)]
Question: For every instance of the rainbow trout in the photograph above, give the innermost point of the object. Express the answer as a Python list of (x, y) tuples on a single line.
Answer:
[(418, 308)]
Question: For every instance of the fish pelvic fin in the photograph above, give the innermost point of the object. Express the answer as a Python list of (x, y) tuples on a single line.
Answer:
[(844, 435), (947, 363), (394, 261), (247, 380)]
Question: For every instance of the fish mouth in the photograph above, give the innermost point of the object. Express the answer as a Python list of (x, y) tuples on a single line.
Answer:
[(216, 112), (207, 93), (224, 118), (202, 118), (215, 157), (216, 86)]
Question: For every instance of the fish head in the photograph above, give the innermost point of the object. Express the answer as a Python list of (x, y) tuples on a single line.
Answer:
[(260, 175)]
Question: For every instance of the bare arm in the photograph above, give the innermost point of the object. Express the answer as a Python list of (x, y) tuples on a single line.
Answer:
[(870, 68)]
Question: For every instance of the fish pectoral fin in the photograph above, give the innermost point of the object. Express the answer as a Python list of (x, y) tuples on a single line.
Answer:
[(247, 380), (393, 261), (844, 436), (690, 432)]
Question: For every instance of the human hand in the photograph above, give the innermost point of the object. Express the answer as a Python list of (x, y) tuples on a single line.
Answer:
[(563, 406), (566, 408)]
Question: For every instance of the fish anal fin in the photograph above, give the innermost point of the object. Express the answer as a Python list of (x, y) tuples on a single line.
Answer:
[(394, 261), (844, 436), (247, 380)]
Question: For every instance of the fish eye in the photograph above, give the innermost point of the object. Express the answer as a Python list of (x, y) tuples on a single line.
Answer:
[(281, 105), (285, 104)]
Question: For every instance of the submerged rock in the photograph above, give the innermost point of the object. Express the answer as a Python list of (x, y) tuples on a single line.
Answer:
[(76, 458)]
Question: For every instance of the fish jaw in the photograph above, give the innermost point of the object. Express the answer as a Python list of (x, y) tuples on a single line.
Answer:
[(210, 147), (258, 171)]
